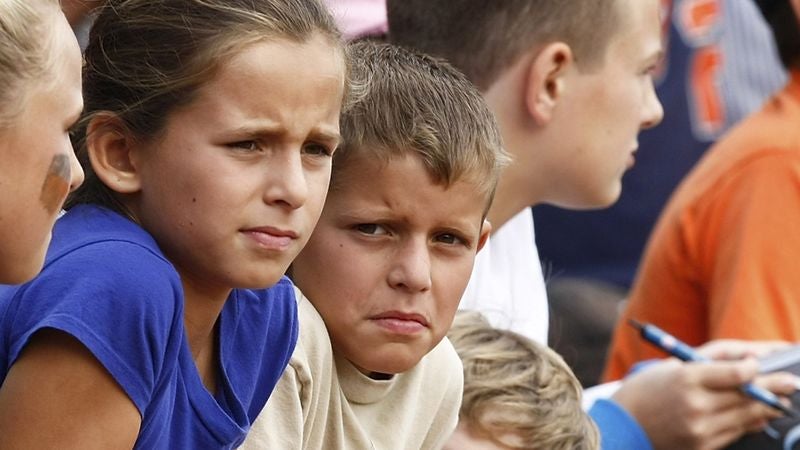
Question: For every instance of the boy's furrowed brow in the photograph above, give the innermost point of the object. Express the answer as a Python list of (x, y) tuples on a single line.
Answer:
[(359, 210)]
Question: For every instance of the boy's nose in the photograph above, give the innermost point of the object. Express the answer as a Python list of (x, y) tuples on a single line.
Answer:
[(411, 268)]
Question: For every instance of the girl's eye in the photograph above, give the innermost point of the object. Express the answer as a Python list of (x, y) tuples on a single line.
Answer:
[(317, 150), (246, 145), (371, 228)]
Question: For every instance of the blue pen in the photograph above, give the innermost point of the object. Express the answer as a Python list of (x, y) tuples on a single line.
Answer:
[(684, 352)]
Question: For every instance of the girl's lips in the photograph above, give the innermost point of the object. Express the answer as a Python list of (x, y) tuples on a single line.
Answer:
[(271, 239), (273, 231)]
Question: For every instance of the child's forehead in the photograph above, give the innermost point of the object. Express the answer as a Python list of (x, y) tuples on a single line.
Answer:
[(357, 162), (401, 187)]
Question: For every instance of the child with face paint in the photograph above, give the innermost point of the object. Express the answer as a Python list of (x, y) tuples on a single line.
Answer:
[(162, 318), (40, 99)]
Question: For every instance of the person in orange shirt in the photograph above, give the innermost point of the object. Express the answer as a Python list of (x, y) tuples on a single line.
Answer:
[(721, 262)]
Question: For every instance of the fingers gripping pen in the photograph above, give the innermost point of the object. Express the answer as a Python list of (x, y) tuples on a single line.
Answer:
[(684, 352)]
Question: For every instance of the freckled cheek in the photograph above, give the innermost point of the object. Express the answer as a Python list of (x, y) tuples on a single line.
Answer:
[(56, 184)]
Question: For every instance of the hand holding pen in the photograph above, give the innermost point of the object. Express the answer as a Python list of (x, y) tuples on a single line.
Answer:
[(682, 351)]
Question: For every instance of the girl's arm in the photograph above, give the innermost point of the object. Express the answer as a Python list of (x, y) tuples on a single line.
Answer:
[(58, 395)]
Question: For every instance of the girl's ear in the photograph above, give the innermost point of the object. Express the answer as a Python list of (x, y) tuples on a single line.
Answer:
[(112, 152), (546, 80), (486, 230)]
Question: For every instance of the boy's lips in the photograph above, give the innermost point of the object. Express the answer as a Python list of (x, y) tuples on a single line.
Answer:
[(401, 322)]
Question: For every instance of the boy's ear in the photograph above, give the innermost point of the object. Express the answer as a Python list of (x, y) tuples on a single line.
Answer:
[(112, 153), (486, 230), (546, 80)]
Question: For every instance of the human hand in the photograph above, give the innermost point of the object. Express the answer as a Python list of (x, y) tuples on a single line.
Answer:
[(699, 405), (733, 349)]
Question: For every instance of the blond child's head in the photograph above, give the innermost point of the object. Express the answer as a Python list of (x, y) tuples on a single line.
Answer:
[(411, 184), (408, 103), (518, 394), (27, 52), (40, 99)]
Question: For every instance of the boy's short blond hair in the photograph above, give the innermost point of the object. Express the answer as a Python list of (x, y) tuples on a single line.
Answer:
[(405, 102), (518, 393), (25, 51), (484, 38)]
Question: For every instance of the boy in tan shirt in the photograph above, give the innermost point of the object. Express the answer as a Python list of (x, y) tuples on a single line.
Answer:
[(388, 262)]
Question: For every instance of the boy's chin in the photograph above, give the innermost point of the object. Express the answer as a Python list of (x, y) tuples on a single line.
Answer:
[(387, 367)]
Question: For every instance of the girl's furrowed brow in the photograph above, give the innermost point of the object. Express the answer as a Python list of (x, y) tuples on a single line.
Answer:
[(330, 136), (269, 128)]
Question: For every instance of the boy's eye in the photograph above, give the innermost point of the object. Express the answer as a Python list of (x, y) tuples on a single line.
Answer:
[(449, 238), (371, 228)]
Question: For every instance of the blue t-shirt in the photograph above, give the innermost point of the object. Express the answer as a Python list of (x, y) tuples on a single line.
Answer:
[(106, 283)]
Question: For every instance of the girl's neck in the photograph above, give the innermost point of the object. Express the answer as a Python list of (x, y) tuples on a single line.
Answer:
[(202, 307)]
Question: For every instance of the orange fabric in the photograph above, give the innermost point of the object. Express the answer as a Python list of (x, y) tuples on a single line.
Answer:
[(724, 258)]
